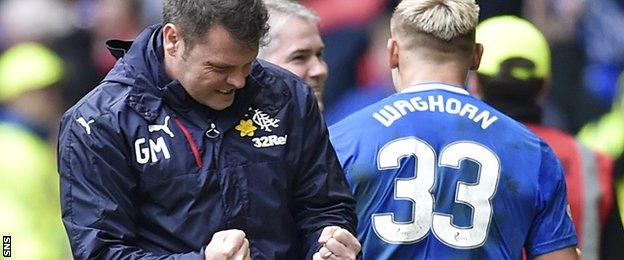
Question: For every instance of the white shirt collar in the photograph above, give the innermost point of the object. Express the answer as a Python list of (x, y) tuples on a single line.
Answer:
[(434, 86)]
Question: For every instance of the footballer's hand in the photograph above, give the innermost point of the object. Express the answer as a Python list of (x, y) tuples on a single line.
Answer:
[(338, 243), (228, 245)]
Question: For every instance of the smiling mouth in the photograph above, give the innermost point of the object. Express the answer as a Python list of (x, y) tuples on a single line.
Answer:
[(225, 92)]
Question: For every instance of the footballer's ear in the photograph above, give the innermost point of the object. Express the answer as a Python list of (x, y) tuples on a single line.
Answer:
[(393, 53), (476, 56), (172, 40)]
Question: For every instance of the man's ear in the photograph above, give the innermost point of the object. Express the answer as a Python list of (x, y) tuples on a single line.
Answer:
[(172, 41), (476, 57), (393, 53)]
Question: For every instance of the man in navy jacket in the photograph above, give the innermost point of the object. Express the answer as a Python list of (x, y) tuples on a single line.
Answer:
[(191, 148)]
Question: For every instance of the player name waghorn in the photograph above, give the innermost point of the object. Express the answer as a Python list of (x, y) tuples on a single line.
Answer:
[(391, 113)]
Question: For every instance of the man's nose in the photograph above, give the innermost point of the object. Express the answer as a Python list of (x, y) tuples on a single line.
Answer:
[(237, 79), (318, 69)]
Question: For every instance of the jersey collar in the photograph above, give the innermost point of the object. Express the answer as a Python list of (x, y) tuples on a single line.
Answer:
[(420, 87)]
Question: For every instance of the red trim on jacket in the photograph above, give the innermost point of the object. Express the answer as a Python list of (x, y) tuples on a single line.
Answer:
[(191, 141)]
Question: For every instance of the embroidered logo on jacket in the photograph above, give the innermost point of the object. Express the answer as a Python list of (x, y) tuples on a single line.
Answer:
[(86, 124), (255, 119), (264, 121), (164, 127), (147, 149), (146, 152)]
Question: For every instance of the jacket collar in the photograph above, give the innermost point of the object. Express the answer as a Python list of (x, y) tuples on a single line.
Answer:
[(141, 66)]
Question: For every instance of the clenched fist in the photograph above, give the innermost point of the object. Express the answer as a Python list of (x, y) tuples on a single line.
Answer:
[(338, 243), (228, 245)]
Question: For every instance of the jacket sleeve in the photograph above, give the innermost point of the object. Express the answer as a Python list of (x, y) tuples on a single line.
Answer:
[(98, 191), (322, 197)]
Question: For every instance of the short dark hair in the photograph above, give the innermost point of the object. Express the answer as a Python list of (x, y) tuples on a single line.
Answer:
[(246, 20)]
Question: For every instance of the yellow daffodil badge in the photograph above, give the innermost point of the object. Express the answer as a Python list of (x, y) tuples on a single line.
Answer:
[(246, 128), (260, 127)]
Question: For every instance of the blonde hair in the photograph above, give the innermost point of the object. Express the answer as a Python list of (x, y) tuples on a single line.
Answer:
[(280, 11), (444, 19)]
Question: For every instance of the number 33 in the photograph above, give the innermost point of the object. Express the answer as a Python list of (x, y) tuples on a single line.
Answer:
[(418, 190)]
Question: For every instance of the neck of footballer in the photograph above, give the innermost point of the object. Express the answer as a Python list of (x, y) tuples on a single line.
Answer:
[(424, 72)]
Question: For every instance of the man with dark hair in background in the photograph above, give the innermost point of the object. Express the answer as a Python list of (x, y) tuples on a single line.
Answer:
[(513, 77), (190, 148)]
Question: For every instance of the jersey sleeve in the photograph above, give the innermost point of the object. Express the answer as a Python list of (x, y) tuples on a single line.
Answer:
[(552, 229), (340, 144)]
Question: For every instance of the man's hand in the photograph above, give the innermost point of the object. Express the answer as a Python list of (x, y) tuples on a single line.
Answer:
[(228, 245), (338, 243)]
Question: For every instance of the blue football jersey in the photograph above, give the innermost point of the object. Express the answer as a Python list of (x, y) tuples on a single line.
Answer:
[(438, 174)]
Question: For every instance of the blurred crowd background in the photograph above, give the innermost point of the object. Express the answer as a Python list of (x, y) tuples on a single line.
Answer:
[(52, 53)]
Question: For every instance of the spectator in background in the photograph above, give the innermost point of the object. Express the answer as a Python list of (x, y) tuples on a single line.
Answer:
[(295, 43), (513, 78), (151, 11), (491, 8), (84, 50), (343, 29), (33, 21), (603, 41), (114, 19), (374, 79), (568, 104), (606, 135), (29, 97), (28, 180)]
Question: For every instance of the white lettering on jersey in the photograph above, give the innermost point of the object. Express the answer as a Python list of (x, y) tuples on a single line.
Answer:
[(391, 113), (485, 119), (418, 190), (387, 115)]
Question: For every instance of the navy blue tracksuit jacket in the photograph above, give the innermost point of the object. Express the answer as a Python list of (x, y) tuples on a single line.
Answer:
[(147, 172)]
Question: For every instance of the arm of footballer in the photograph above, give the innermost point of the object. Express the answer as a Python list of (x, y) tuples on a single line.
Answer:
[(569, 253)]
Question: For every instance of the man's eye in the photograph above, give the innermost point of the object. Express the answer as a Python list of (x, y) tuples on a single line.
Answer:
[(216, 69)]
